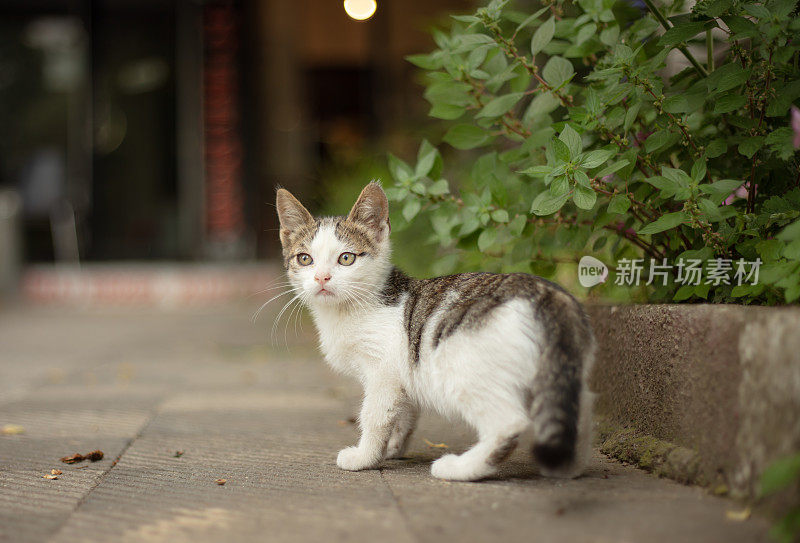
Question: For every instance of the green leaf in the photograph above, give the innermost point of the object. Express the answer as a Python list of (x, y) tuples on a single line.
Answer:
[(559, 186), (733, 79), (790, 233), (487, 239), (466, 18), (448, 112), (498, 106), (530, 19), (586, 32), (608, 170), (757, 11), (582, 179), (729, 102), (681, 33), (596, 158), (619, 204), (684, 293), (719, 190), (584, 197), (664, 222), (741, 27), (448, 92), (426, 62), (780, 474), (538, 171), (439, 188), (609, 35), (557, 71), (542, 36), (682, 103), (547, 204), (657, 140), (467, 136), (749, 146), (573, 140), (399, 169), (411, 209), (730, 72), (426, 156), (560, 150), (499, 215), (517, 224), (544, 103), (716, 148), (699, 169)]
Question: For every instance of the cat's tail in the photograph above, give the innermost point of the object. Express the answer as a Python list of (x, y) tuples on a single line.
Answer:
[(561, 407)]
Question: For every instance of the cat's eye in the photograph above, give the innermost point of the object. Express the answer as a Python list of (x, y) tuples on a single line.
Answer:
[(304, 259), (347, 259)]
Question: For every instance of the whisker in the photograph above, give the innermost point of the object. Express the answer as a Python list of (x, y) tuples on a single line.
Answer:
[(260, 309)]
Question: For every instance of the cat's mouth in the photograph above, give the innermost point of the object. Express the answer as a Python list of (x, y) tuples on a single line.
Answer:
[(324, 292)]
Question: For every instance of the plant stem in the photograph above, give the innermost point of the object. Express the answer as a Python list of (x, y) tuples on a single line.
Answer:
[(682, 48), (709, 50)]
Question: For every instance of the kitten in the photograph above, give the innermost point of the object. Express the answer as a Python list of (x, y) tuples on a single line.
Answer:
[(504, 352)]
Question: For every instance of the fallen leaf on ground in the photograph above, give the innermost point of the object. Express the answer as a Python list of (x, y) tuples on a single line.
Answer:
[(12, 430), (73, 459), (221, 481), (435, 445), (738, 516), (94, 456), (50, 476), (55, 472), (178, 454)]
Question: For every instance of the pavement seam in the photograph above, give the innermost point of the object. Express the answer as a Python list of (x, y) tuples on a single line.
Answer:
[(396, 500), (103, 476)]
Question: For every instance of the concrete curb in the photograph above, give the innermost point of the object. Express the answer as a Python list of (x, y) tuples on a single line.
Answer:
[(719, 382)]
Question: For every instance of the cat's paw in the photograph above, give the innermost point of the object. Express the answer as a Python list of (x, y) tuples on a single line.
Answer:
[(453, 467), (354, 459)]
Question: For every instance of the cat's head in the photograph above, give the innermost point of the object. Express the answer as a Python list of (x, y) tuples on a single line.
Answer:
[(336, 260)]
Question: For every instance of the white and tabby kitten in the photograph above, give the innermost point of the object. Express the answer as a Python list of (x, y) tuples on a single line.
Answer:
[(506, 353)]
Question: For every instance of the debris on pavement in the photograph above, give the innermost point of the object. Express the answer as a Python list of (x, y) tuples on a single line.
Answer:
[(94, 456), (54, 473), (738, 516), (346, 422), (178, 454), (433, 445), (221, 481), (12, 430)]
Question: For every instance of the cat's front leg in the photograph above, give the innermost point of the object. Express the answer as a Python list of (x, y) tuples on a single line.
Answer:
[(379, 411)]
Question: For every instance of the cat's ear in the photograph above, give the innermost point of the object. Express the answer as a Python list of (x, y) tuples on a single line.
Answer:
[(291, 213), (372, 210)]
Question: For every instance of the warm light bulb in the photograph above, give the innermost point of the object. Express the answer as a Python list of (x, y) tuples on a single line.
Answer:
[(360, 10)]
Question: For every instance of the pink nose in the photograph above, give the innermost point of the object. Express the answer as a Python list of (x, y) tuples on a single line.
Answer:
[(322, 279)]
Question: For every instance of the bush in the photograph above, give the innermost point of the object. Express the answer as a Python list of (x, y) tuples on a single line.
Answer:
[(578, 143)]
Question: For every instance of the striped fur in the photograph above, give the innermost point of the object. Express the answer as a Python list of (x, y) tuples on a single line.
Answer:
[(507, 353)]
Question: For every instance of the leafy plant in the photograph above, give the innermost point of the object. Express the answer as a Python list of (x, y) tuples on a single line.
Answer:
[(577, 142), (780, 476)]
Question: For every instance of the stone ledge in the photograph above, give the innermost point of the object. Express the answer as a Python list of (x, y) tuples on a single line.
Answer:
[(720, 381)]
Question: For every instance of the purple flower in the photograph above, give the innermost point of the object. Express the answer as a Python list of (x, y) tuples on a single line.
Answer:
[(796, 126), (741, 192)]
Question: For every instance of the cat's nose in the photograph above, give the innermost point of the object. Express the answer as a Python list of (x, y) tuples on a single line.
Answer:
[(322, 278)]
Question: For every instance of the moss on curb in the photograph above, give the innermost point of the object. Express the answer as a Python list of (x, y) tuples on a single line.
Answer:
[(659, 457)]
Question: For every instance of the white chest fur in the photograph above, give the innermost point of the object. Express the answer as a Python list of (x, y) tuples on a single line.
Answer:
[(356, 343)]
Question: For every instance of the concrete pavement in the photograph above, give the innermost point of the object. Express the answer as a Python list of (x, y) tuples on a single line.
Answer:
[(181, 398)]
